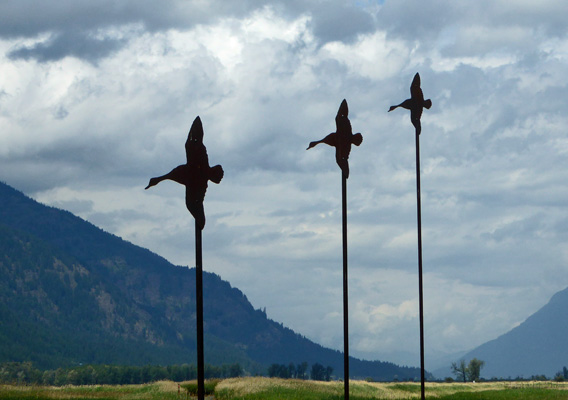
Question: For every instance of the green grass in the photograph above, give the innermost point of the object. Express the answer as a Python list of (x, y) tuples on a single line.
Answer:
[(510, 394), (208, 387), (410, 388), (159, 390), (291, 389)]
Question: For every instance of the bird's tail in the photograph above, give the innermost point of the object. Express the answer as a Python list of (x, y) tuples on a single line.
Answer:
[(357, 139), (216, 174), (428, 103)]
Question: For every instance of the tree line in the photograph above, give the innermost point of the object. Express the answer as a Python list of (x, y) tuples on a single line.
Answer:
[(472, 371), (24, 373), (291, 371)]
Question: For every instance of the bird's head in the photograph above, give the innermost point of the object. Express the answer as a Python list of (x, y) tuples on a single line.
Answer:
[(153, 182)]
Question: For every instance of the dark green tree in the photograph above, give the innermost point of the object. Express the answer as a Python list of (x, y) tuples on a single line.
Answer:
[(301, 370), (48, 378), (278, 371), (291, 370), (235, 370), (460, 370), (60, 377), (318, 372), (328, 372), (470, 372), (474, 369)]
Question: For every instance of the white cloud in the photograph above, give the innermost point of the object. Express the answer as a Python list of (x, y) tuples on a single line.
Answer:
[(373, 56)]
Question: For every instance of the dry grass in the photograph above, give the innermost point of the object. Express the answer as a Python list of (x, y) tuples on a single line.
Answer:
[(252, 388), (245, 386)]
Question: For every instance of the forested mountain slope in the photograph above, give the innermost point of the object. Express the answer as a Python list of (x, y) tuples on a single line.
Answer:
[(72, 293)]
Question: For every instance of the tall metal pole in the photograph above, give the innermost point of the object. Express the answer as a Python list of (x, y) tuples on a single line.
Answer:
[(199, 306), (194, 175), (416, 104), (345, 288), (420, 293), (342, 139)]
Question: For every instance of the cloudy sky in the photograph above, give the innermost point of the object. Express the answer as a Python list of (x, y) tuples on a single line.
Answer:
[(96, 97)]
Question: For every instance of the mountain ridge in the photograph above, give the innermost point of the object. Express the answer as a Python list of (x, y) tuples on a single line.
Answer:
[(128, 304), (537, 346)]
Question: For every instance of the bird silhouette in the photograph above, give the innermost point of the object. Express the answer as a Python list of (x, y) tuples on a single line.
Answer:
[(195, 174), (415, 104), (341, 139)]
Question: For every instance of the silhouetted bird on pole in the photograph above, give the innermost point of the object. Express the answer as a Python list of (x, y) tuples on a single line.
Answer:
[(341, 139), (415, 104), (195, 174)]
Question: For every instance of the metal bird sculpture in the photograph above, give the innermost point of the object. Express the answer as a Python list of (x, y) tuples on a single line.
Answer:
[(415, 104), (341, 139), (195, 174)]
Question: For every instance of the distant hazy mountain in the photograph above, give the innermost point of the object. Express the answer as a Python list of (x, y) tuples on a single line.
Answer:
[(71, 293), (538, 346)]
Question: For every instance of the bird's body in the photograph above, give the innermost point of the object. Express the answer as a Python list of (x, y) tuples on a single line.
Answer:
[(195, 174), (341, 139), (415, 104)]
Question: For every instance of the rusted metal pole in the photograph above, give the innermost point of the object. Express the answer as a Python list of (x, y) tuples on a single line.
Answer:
[(199, 306), (420, 292), (345, 288)]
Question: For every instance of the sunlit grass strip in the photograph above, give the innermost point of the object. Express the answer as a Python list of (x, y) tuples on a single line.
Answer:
[(273, 388), (159, 390)]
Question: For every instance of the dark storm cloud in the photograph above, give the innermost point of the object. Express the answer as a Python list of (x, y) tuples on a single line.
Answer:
[(417, 20), (75, 44), (73, 24), (28, 18), (340, 23)]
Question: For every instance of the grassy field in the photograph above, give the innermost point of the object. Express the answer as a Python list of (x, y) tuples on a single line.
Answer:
[(272, 389)]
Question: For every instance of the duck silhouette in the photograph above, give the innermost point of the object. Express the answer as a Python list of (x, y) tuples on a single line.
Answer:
[(341, 139), (415, 104), (195, 174)]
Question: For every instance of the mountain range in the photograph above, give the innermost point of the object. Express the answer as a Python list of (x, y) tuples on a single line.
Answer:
[(73, 294), (538, 346)]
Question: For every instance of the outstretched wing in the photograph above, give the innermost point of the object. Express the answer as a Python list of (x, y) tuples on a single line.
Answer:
[(195, 136), (343, 110), (415, 90), (342, 124)]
